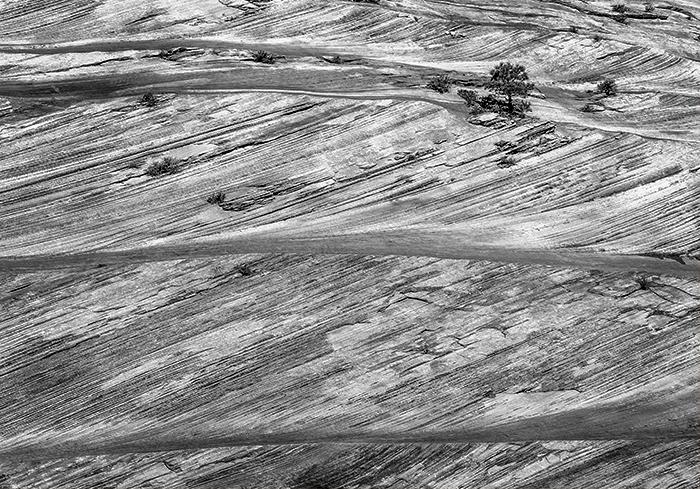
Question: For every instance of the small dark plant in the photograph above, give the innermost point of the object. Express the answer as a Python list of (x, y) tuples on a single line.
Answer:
[(506, 162), (597, 38), (244, 270), (148, 100), (607, 87), (521, 107), (649, 7), (164, 166), (263, 57), (621, 18), (643, 282), (589, 108), (503, 145), (216, 198), (469, 96), (335, 60), (620, 8), (490, 103), (440, 84), (573, 29)]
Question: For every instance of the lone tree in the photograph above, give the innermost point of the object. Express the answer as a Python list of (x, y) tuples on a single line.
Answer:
[(510, 80)]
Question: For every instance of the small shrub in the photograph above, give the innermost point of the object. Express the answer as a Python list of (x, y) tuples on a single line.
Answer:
[(440, 84), (469, 96), (263, 57), (506, 162), (244, 270), (134, 164), (620, 8), (649, 7), (164, 166), (521, 107), (148, 100), (607, 87), (216, 198), (504, 145), (172, 54), (597, 38), (589, 108), (336, 60), (621, 18), (573, 29)]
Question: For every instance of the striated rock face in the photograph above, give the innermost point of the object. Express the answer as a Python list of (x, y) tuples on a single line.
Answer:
[(312, 271)]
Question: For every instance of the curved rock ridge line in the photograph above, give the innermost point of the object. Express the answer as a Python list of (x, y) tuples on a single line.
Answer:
[(108, 45), (403, 243), (669, 417), (546, 465)]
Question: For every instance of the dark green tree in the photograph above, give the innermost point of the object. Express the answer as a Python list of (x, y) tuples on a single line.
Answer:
[(510, 80)]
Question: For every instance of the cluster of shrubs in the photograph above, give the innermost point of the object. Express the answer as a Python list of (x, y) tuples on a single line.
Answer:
[(511, 81), (490, 103)]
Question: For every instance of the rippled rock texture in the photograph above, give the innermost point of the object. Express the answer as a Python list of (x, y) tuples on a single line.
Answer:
[(315, 272)]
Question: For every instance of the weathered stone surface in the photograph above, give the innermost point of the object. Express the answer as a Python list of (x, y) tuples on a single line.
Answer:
[(141, 348)]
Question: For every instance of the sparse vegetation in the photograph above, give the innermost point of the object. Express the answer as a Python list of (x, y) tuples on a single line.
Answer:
[(649, 7), (263, 57), (621, 18), (597, 38), (216, 198), (511, 80), (148, 100), (164, 166), (506, 162), (589, 108), (573, 29), (335, 60), (607, 87), (440, 84), (620, 8)]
